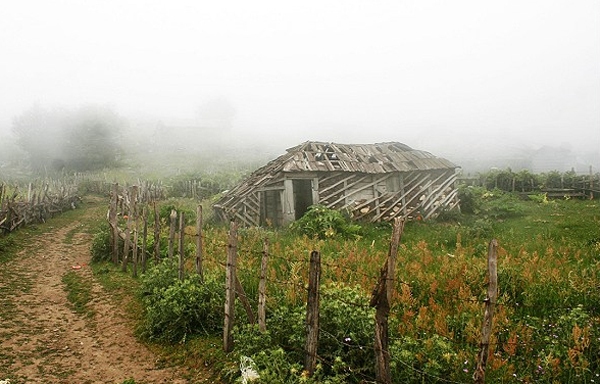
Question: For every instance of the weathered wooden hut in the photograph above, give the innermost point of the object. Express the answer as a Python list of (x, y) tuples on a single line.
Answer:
[(372, 182)]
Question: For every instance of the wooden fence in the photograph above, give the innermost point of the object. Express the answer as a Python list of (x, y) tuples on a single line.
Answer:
[(553, 184), (125, 203), (35, 204)]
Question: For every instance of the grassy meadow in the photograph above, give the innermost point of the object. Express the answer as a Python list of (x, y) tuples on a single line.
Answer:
[(546, 323)]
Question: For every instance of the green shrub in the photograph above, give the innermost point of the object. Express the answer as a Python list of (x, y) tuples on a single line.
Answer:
[(469, 198), (345, 340), (174, 309), (100, 247), (322, 222), (164, 213), (416, 360)]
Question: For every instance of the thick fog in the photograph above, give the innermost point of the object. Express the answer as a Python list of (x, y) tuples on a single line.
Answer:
[(479, 82)]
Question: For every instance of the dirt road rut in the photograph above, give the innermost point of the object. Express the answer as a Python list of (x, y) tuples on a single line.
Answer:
[(43, 340)]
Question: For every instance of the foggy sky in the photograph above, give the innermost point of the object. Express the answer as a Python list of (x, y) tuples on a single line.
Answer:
[(426, 73)]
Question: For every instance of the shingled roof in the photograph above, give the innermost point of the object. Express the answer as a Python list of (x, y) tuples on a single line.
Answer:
[(313, 156)]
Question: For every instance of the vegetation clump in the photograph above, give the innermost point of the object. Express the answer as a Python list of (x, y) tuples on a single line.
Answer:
[(322, 222), (175, 309)]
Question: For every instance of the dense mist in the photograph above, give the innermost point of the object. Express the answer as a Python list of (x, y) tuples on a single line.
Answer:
[(506, 84)]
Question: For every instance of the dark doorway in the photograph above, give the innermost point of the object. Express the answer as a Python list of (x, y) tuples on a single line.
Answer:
[(303, 197)]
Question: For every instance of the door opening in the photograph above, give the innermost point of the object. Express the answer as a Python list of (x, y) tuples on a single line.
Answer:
[(303, 196)]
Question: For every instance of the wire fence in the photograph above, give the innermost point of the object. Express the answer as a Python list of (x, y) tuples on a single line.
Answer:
[(289, 273)]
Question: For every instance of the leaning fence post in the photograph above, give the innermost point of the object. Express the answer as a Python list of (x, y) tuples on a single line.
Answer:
[(312, 313), (230, 278), (241, 294), (490, 301), (262, 288)]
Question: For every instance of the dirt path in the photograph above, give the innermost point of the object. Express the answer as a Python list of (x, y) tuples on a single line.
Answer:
[(42, 340)]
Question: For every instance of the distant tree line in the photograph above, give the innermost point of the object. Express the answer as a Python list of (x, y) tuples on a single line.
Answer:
[(525, 181), (82, 139)]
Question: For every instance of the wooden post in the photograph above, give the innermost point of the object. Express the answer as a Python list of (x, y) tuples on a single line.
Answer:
[(241, 294), (288, 213), (112, 220), (135, 247), (173, 219), (133, 215), (379, 300), (127, 240), (181, 245), (262, 288), (490, 302), (199, 243), (144, 237), (312, 313), (230, 278), (156, 234), (392, 255)]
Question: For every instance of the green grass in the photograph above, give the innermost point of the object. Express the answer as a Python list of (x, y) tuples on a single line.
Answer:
[(79, 292)]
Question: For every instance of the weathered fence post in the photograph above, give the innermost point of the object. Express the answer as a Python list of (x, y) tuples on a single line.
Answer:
[(181, 247), (381, 299), (312, 313), (262, 288), (488, 316), (230, 278), (112, 220), (135, 254), (241, 294), (199, 243), (156, 234), (397, 230), (173, 219), (127, 240), (144, 237), (134, 214)]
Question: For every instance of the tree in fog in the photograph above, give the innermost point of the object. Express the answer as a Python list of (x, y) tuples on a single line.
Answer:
[(80, 140), (37, 133), (91, 138)]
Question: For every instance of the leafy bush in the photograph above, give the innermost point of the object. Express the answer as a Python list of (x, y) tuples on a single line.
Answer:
[(164, 212), (494, 203), (174, 309), (345, 346), (433, 357), (100, 247), (468, 197), (322, 222)]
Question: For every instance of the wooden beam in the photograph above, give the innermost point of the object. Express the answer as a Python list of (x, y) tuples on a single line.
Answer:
[(288, 209)]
